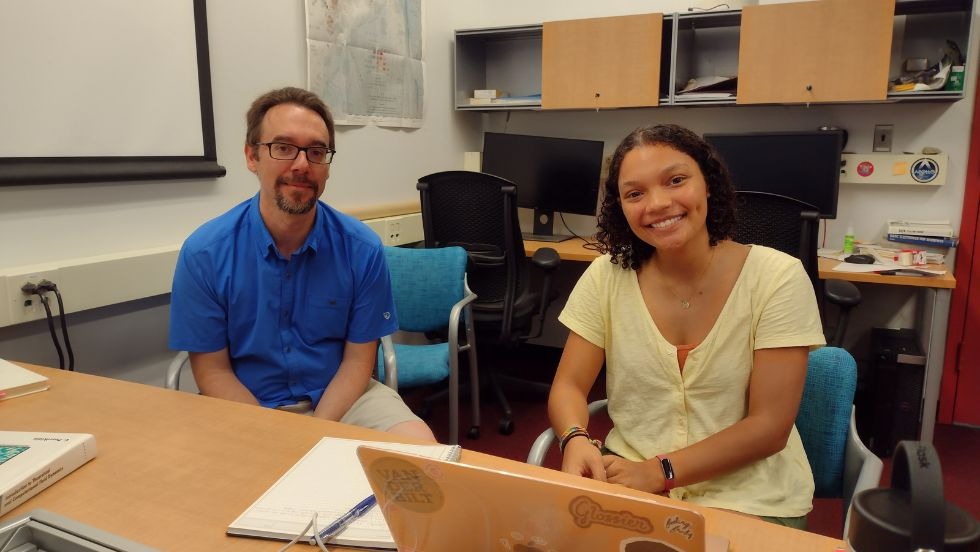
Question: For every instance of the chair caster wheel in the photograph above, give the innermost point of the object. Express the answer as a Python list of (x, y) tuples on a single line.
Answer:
[(474, 432), (506, 427)]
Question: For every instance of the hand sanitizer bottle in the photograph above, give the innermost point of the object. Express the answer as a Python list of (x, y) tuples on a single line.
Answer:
[(849, 240)]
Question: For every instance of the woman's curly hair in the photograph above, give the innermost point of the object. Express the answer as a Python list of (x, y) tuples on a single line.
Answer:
[(615, 236)]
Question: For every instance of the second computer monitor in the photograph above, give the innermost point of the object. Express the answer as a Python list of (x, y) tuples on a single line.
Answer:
[(802, 165), (551, 174)]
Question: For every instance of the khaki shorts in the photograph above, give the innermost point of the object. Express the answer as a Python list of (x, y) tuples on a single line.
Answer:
[(380, 407)]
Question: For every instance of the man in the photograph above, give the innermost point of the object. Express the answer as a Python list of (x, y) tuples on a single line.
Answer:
[(281, 300)]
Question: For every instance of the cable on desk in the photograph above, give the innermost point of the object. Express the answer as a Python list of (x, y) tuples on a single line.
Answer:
[(594, 246)]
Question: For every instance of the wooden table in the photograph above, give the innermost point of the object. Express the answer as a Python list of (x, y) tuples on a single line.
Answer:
[(934, 332), (174, 468)]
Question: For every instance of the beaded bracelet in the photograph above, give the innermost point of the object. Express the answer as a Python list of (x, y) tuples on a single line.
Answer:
[(573, 432)]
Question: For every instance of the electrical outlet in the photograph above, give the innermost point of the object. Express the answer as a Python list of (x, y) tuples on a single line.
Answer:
[(24, 307), (883, 138), (393, 232)]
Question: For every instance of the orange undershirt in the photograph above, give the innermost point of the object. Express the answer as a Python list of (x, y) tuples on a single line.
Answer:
[(682, 351)]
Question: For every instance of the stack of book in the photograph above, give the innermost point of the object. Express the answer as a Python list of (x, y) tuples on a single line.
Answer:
[(486, 97), (922, 232), (498, 97)]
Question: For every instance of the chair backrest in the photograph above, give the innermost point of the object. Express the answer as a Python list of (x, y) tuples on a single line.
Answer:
[(824, 416), (782, 223), (426, 283), (478, 212)]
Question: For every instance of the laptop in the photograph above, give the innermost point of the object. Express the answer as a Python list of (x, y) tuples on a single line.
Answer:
[(435, 506)]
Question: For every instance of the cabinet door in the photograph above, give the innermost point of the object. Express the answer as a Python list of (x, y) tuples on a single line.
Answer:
[(604, 62), (808, 52)]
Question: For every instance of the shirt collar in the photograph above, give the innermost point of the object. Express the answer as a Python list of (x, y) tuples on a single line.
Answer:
[(263, 238)]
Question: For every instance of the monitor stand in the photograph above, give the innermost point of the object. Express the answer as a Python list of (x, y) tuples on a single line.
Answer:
[(554, 238), (544, 224)]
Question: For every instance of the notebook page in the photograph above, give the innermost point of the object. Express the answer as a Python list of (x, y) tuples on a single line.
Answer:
[(330, 481)]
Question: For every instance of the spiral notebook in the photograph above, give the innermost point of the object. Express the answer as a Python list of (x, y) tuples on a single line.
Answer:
[(328, 480)]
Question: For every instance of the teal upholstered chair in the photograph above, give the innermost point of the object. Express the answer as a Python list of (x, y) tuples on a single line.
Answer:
[(431, 297), (842, 466)]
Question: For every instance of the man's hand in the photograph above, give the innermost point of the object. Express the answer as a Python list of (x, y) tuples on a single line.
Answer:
[(350, 382), (215, 378)]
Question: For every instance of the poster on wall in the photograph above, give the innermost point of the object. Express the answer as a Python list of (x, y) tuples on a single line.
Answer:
[(364, 58)]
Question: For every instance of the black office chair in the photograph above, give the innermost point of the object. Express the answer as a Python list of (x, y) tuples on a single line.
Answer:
[(791, 226), (478, 212)]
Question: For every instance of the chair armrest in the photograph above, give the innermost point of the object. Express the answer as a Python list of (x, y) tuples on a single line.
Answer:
[(547, 259), (455, 314), (544, 441), (841, 292), (390, 364), (862, 469), (172, 378)]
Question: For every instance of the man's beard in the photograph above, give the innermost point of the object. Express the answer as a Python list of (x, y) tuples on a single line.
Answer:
[(288, 206)]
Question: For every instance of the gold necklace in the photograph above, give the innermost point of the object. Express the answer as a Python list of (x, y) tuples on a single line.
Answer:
[(686, 303)]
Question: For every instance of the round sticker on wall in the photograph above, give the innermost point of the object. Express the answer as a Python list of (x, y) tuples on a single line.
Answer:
[(924, 170), (865, 168)]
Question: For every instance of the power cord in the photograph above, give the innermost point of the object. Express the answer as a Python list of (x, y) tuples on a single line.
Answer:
[(588, 244), (726, 6), (47, 285), (32, 289)]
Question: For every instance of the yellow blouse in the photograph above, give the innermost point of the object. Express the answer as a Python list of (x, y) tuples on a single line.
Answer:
[(656, 409)]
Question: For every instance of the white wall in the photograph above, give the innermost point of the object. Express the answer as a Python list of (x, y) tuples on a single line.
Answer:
[(249, 41), (250, 38)]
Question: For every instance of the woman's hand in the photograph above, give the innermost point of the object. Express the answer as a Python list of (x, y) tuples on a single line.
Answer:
[(581, 457), (642, 476)]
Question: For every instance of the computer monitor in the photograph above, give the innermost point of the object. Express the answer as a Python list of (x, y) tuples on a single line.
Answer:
[(551, 174), (802, 165)]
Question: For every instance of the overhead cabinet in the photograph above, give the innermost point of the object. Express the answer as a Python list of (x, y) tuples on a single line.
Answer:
[(808, 52), (602, 63)]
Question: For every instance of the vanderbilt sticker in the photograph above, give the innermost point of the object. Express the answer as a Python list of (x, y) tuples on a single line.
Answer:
[(924, 170), (407, 485)]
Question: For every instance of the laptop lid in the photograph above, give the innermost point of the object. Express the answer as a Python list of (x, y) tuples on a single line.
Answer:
[(435, 506)]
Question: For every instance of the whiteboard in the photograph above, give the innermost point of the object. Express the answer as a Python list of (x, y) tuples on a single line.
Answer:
[(95, 90)]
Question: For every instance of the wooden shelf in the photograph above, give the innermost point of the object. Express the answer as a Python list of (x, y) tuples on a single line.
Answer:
[(851, 63)]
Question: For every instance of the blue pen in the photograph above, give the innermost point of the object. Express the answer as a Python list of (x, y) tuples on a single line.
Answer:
[(343, 521)]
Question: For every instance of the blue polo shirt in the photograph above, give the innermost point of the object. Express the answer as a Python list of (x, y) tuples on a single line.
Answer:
[(284, 322)]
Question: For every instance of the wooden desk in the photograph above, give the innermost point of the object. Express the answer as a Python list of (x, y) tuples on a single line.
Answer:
[(946, 281), (174, 469), (569, 250), (935, 331)]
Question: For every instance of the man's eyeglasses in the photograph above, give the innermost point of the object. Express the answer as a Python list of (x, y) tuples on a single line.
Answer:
[(282, 151)]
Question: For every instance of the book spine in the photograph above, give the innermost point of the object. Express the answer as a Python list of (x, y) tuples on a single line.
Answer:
[(924, 240), (937, 231), (487, 93), (37, 480)]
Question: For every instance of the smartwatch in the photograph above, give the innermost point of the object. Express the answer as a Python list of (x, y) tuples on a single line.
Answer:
[(669, 481)]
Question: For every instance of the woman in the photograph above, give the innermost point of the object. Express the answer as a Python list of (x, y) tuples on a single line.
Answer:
[(705, 341)]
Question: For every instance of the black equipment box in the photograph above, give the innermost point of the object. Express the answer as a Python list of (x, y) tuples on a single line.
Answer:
[(889, 396)]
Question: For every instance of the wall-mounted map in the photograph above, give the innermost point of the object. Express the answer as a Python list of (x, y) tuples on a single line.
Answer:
[(365, 60)]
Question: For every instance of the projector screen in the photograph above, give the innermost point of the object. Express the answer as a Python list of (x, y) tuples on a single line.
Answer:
[(105, 90)]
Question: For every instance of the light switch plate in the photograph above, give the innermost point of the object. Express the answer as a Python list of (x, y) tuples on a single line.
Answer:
[(883, 138)]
